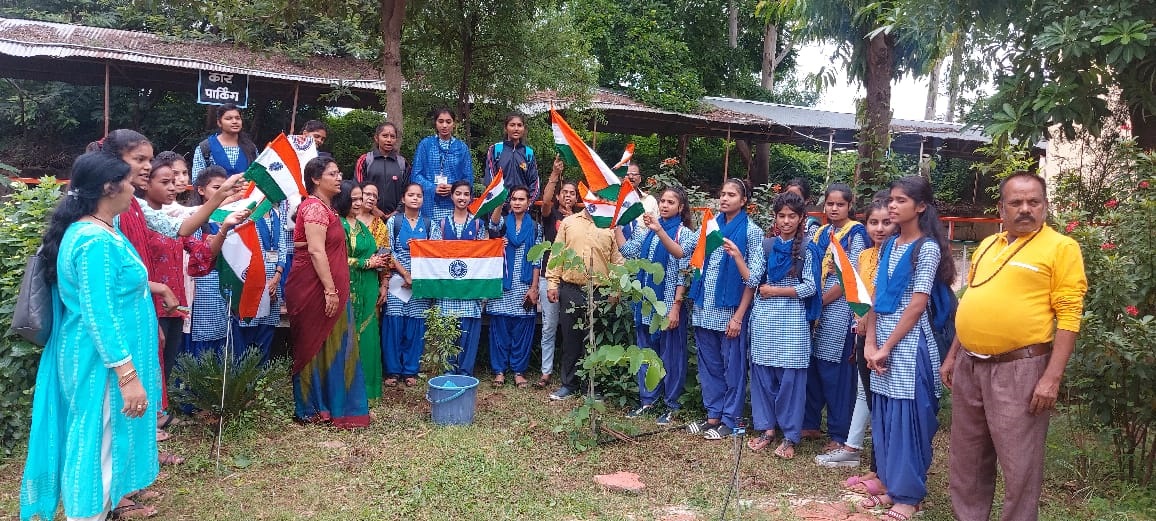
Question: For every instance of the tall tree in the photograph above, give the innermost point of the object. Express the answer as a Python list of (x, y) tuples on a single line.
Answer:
[(392, 20)]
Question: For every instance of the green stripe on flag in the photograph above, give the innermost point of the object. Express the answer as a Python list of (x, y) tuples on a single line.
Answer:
[(265, 182), (567, 154), (630, 214), (488, 207), (464, 289)]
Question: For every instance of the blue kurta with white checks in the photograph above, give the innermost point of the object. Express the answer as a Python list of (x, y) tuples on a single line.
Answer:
[(710, 317), (835, 322), (394, 307), (231, 152), (210, 312), (780, 333), (674, 267), (274, 250), (461, 308), (511, 302), (898, 381)]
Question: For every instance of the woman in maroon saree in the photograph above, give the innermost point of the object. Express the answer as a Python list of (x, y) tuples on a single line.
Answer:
[(328, 383)]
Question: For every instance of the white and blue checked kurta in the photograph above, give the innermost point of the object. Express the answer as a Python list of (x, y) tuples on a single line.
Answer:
[(461, 308), (511, 302), (783, 336), (835, 322), (899, 379), (674, 267), (416, 307), (231, 152), (210, 312), (274, 255), (708, 315)]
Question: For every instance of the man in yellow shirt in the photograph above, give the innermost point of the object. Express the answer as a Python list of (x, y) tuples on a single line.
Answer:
[(598, 250), (1016, 325)]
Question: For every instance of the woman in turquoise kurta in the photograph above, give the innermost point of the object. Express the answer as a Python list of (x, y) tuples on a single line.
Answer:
[(93, 438)]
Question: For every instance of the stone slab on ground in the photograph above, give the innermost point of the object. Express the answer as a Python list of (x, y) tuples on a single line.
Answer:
[(621, 481)]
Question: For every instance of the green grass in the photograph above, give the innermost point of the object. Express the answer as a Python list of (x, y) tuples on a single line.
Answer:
[(508, 465)]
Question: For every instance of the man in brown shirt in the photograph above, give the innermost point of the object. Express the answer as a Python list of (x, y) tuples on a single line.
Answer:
[(597, 249)]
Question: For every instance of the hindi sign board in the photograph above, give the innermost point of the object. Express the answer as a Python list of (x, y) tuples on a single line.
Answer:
[(219, 88)]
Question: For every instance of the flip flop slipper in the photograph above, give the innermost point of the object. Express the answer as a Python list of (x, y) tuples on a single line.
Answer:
[(162, 435), (874, 502), (894, 515), (410, 382), (872, 487), (542, 382), (145, 495), (168, 458), (760, 442), (499, 381), (126, 511), (781, 450), (521, 382), (391, 382)]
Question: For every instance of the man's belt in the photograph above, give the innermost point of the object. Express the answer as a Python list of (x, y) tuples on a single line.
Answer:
[(1031, 351)]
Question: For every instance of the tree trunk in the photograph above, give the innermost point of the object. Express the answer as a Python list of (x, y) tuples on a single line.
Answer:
[(392, 19), (770, 45), (1143, 127), (933, 90), (746, 155), (733, 24), (874, 136), (761, 164), (953, 77), (467, 37)]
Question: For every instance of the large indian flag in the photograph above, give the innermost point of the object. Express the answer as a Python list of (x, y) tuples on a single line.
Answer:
[(242, 272), (858, 298), (600, 210), (709, 239), (461, 270), (575, 152), (492, 199)]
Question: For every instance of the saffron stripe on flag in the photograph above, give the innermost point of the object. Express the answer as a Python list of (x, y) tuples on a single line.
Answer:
[(858, 298)]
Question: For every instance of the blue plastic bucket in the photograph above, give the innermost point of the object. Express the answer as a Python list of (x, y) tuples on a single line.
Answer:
[(451, 398)]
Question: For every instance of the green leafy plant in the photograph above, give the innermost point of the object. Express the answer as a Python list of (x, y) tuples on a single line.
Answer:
[(1112, 375), (23, 216), (588, 426), (441, 340), (245, 391)]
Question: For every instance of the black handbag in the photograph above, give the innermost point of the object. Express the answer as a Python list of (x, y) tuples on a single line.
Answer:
[(32, 317)]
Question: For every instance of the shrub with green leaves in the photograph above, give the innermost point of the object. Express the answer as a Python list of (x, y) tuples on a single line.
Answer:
[(442, 332), (230, 388), (1112, 374), (23, 216)]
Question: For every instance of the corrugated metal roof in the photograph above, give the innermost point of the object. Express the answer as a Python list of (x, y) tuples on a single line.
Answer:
[(27, 38), (807, 117)]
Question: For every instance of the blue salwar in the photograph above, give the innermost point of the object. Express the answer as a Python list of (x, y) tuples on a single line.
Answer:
[(471, 329), (832, 385), (778, 395), (671, 348), (510, 339), (901, 433), (722, 371), (404, 340), (259, 335)]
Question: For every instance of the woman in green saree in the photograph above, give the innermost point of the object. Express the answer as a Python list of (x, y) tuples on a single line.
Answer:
[(363, 283)]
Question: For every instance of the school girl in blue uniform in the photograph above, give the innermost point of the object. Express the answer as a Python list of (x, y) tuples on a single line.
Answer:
[(900, 348), (831, 377), (668, 241), (403, 327), (781, 352), (461, 225), (513, 318), (722, 297)]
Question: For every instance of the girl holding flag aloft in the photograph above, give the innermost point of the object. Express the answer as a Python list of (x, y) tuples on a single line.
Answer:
[(668, 241), (722, 297), (403, 326), (900, 347), (831, 378), (513, 318), (781, 353), (462, 225)]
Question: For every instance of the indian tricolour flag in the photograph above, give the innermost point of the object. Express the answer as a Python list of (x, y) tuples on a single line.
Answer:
[(492, 199), (709, 239), (276, 175), (242, 272), (629, 205), (575, 152), (858, 298), (462, 270), (600, 210)]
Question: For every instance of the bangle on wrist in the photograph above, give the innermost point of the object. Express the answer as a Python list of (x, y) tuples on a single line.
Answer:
[(334, 292)]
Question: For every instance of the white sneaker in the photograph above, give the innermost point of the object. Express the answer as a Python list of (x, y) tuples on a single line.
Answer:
[(840, 457)]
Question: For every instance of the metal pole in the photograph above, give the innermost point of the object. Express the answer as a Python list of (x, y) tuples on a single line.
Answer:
[(106, 111), (293, 115)]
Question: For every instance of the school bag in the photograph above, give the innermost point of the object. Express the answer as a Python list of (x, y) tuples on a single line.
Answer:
[(941, 307)]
